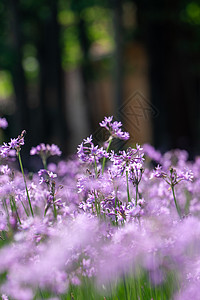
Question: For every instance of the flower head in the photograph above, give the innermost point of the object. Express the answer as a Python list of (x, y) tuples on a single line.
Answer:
[(88, 152), (3, 123), (14, 144), (45, 150), (114, 128)]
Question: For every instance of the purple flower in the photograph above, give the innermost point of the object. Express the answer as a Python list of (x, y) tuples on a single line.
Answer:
[(5, 169), (114, 128), (126, 158), (89, 153), (45, 175), (172, 177), (88, 140), (135, 171), (4, 150), (45, 150), (3, 123), (152, 153), (13, 143)]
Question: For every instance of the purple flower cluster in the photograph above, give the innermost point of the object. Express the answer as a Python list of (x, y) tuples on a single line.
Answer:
[(172, 177), (45, 175), (100, 227), (14, 144), (114, 128), (88, 152), (132, 157), (3, 123), (45, 150)]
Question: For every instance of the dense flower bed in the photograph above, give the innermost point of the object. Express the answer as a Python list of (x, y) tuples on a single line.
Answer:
[(105, 224)]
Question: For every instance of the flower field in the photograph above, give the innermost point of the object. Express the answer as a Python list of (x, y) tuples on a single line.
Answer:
[(110, 225)]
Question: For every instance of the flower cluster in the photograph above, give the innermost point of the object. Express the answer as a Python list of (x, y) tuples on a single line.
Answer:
[(129, 159), (172, 177), (45, 150), (70, 231), (114, 128), (88, 152), (46, 175), (3, 123), (14, 144)]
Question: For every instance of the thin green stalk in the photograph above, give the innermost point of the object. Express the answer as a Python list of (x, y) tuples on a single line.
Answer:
[(53, 194), (25, 209), (22, 170), (127, 184), (54, 209), (116, 210), (11, 205), (176, 203), (3, 237), (44, 161), (96, 204), (104, 159), (41, 295), (95, 167), (125, 287), (136, 194), (15, 208)]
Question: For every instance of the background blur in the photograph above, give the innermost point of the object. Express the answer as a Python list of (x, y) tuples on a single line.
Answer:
[(65, 64)]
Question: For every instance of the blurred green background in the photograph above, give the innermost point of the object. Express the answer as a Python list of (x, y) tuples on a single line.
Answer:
[(65, 64)]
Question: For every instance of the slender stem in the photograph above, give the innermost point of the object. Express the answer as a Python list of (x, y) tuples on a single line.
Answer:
[(125, 287), (95, 167), (15, 209), (176, 203), (127, 185), (104, 159), (44, 161), (96, 204), (54, 209), (136, 194), (22, 170), (41, 295), (53, 194), (25, 209), (116, 210), (11, 205)]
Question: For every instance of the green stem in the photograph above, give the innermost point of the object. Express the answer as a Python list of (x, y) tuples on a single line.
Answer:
[(15, 209), (95, 167), (44, 161), (127, 184), (104, 159), (22, 170), (125, 287), (41, 295), (136, 194), (54, 209), (96, 204), (53, 194), (116, 210), (176, 203), (25, 209)]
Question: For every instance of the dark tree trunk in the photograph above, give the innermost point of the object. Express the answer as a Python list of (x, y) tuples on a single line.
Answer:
[(87, 72), (118, 57), (21, 117), (172, 84), (51, 81)]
